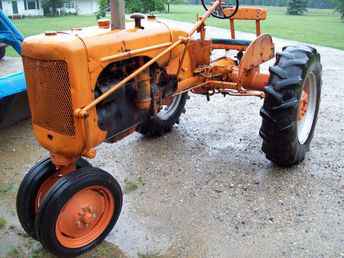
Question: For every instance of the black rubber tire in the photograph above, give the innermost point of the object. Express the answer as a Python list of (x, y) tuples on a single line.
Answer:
[(60, 194), (2, 51), (280, 110), (155, 127), (28, 189)]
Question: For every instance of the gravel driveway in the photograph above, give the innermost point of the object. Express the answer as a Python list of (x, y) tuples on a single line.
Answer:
[(206, 189)]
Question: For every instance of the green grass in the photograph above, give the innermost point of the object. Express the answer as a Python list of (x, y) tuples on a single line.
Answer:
[(3, 223), (33, 26), (320, 27)]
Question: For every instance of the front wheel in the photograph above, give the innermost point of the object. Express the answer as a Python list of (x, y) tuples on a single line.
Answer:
[(79, 211), (162, 122), (291, 105), (33, 188)]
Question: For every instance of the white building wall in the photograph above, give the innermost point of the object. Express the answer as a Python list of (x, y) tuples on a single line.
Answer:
[(82, 7), (8, 10), (7, 7), (86, 6), (36, 12)]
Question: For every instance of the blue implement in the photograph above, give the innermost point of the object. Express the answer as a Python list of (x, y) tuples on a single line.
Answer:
[(12, 84), (9, 33), (13, 97)]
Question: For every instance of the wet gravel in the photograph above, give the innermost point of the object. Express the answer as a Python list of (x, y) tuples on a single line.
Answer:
[(206, 189)]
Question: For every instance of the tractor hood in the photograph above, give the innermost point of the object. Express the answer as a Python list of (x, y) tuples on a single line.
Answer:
[(96, 43), (101, 43)]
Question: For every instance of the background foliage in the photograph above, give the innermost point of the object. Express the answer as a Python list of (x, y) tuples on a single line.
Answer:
[(297, 7), (145, 6), (103, 6), (339, 7)]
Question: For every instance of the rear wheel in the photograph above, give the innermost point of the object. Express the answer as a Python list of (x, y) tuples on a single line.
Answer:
[(2, 51), (291, 105), (162, 122), (79, 212), (32, 190)]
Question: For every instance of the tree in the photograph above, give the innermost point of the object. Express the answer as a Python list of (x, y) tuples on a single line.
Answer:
[(145, 6), (297, 7), (103, 6), (339, 7)]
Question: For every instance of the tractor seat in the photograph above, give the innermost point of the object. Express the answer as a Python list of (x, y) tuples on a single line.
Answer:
[(231, 42)]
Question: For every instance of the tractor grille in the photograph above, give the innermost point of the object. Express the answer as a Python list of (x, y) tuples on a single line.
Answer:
[(50, 95)]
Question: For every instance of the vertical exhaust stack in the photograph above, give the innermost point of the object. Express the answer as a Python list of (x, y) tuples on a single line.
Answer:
[(117, 14)]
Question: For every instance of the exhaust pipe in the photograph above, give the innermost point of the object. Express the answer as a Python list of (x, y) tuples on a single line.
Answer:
[(117, 14)]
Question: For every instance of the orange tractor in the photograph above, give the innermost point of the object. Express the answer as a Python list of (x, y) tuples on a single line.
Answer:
[(90, 85)]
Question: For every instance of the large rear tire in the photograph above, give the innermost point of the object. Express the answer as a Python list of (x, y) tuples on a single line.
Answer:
[(291, 105), (163, 122)]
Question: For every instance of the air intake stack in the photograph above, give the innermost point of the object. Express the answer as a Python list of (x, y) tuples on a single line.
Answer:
[(117, 14)]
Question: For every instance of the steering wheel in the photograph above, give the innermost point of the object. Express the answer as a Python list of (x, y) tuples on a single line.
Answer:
[(225, 6)]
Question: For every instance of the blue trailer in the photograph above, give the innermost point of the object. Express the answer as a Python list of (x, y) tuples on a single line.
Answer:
[(13, 97)]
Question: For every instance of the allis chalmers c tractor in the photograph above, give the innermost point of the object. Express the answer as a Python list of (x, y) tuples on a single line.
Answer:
[(97, 84)]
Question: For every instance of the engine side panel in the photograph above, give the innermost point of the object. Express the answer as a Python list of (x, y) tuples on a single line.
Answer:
[(83, 51)]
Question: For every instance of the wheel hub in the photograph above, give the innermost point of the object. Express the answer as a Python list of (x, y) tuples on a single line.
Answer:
[(87, 218), (84, 217)]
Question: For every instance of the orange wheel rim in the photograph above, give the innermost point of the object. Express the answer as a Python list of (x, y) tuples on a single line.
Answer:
[(307, 109), (303, 106), (85, 217), (43, 190)]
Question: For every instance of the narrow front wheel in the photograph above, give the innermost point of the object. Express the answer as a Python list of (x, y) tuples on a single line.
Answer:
[(33, 188), (79, 212)]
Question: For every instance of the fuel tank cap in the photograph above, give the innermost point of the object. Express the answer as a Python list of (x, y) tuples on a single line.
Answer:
[(104, 23), (137, 17)]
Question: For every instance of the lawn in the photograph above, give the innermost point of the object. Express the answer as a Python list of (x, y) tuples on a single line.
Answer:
[(321, 27), (32, 26)]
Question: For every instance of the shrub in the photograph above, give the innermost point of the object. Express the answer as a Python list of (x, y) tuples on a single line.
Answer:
[(145, 6), (340, 7), (102, 8), (297, 7)]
